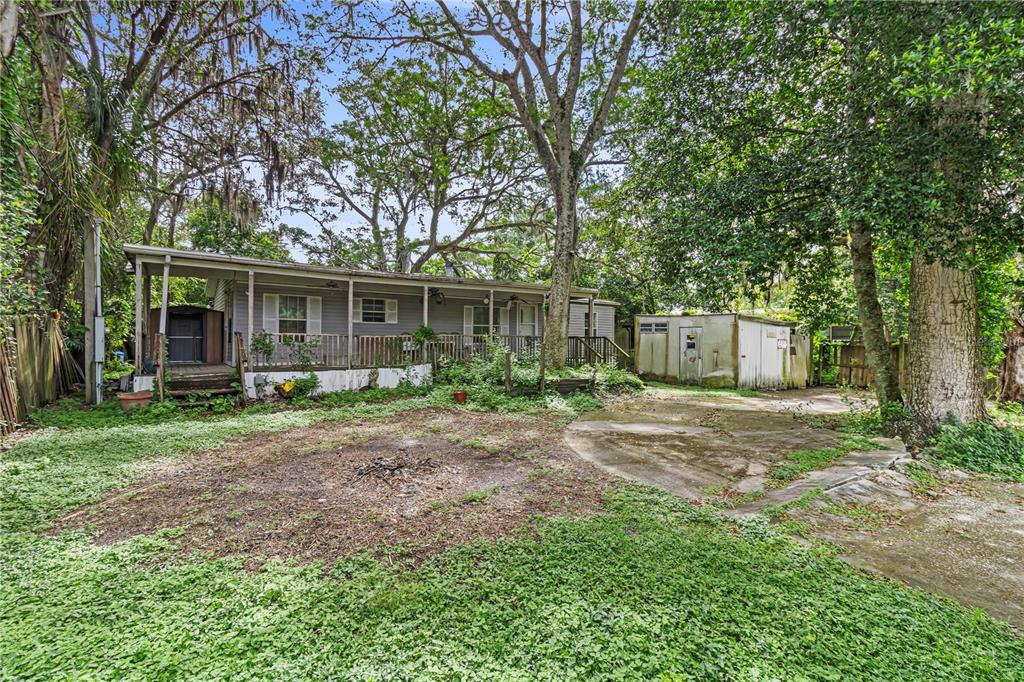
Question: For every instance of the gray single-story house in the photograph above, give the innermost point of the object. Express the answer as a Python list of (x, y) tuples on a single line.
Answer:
[(288, 315), (722, 350)]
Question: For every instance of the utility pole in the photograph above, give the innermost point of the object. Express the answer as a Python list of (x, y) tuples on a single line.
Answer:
[(92, 311)]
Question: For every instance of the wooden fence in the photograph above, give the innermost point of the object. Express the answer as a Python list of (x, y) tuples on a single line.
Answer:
[(853, 364), (35, 367)]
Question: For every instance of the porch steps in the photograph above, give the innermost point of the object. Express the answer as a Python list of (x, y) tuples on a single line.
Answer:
[(185, 392), (201, 387)]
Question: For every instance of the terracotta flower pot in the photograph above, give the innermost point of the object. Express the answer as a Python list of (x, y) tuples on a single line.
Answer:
[(460, 396), (134, 399)]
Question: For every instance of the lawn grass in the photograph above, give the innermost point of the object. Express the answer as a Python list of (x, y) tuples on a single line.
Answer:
[(653, 589), (801, 461)]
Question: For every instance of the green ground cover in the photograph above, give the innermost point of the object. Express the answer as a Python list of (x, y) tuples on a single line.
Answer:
[(653, 589)]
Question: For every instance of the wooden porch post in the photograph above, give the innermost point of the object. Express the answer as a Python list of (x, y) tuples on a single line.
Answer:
[(249, 302), (490, 312), (351, 340), (426, 298), (139, 345), (163, 300), (591, 327)]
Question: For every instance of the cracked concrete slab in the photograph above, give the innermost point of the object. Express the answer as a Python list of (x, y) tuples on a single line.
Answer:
[(687, 443), (968, 546)]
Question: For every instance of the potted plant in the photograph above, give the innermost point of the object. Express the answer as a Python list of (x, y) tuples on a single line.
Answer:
[(459, 396), (134, 399)]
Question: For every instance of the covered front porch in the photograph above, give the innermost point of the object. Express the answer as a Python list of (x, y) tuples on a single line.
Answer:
[(286, 316)]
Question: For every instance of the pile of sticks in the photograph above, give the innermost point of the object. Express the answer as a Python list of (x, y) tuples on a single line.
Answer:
[(392, 470)]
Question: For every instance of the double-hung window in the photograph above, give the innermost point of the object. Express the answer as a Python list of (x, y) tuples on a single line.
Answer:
[(376, 310), (291, 314), (527, 320), (481, 317)]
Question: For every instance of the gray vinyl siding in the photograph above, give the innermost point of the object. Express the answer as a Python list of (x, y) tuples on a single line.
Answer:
[(334, 305), (444, 318), (220, 297), (605, 319)]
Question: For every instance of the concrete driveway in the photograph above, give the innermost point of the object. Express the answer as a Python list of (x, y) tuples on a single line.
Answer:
[(689, 442), (965, 541)]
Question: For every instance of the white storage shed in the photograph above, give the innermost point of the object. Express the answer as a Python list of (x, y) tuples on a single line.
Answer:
[(722, 350)]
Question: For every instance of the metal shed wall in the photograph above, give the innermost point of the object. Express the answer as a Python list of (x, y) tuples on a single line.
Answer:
[(728, 350)]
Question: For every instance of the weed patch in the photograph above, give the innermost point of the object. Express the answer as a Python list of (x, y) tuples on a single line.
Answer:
[(981, 447), (644, 591), (799, 462)]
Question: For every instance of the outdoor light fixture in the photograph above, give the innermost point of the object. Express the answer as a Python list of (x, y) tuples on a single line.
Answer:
[(487, 299)]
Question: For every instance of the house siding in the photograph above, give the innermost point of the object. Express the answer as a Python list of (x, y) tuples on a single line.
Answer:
[(605, 319), (443, 318)]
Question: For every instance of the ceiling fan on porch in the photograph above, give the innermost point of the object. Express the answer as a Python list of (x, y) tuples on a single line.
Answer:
[(437, 295)]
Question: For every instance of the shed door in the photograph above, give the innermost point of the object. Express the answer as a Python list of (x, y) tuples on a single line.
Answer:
[(750, 353), (774, 346), (691, 354), (185, 341)]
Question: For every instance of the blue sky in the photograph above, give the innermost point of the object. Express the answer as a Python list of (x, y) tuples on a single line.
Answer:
[(334, 112)]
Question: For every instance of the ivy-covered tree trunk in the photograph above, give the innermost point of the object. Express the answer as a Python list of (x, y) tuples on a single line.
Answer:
[(556, 322), (945, 373), (944, 370), (869, 311)]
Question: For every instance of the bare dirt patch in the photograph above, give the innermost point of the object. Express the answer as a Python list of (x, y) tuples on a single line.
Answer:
[(422, 480)]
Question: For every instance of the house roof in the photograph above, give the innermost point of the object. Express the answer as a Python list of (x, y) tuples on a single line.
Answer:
[(597, 301), (204, 261), (742, 316)]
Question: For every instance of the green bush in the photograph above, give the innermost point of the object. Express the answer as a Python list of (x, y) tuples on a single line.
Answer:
[(72, 414), (981, 447), (372, 395)]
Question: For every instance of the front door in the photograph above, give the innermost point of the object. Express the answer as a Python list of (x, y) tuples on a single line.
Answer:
[(691, 360), (185, 341)]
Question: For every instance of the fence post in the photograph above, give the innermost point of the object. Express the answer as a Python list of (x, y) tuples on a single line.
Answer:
[(242, 354), (541, 368), (160, 364), (508, 372)]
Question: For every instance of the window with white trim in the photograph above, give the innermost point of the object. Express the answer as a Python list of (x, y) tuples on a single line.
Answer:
[(481, 320), (378, 310), (291, 314), (586, 322), (654, 327), (527, 320)]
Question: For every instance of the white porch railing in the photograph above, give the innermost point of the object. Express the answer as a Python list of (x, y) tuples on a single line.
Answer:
[(267, 350)]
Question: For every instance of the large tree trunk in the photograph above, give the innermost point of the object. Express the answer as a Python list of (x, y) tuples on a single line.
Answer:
[(59, 228), (1011, 371), (944, 369), (880, 357), (556, 322)]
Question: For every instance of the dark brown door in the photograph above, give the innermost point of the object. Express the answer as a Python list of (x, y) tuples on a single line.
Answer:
[(185, 341)]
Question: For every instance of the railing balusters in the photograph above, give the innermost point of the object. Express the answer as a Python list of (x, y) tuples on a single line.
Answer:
[(320, 351)]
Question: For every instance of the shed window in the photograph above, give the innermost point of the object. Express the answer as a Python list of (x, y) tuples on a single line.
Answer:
[(291, 314), (654, 327), (586, 322)]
